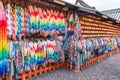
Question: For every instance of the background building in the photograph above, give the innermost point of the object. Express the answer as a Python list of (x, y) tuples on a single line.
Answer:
[(114, 13)]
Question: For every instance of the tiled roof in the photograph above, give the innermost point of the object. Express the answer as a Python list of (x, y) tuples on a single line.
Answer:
[(114, 13)]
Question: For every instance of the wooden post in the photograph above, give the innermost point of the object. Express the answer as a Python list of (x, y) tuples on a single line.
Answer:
[(0, 78), (23, 76), (29, 74)]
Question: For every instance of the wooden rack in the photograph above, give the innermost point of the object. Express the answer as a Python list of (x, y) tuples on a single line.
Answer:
[(94, 27), (41, 70), (92, 60)]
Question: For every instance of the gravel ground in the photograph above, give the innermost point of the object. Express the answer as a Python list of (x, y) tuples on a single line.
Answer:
[(108, 69)]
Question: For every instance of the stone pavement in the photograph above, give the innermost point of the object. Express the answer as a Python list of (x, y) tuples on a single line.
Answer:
[(108, 69)]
